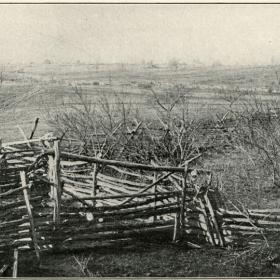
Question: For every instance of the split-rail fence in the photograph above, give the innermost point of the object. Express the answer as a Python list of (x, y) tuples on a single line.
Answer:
[(52, 200)]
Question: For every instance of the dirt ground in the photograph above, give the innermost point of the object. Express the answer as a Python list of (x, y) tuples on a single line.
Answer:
[(146, 259)]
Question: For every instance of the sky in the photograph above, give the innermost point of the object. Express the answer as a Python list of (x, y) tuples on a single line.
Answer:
[(230, 34)]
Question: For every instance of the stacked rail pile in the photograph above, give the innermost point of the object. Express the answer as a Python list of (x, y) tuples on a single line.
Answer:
[(202, 221), (22, 197), (99, 208), (110, 199), (251, 226)]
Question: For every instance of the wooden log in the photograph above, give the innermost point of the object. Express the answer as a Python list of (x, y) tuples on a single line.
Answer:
[(65, 174), (116, 207), (77, 183), (3, 269), (13, 236), (34, 128), (103, 185), (117, 183), (10, 144), (148, 187), (183, 201), (18, 203), (16, 244), (76, 219), (122, 181), (76, 171), (212, 213), (13, 223), (15, 264), (57, 183), (155, 194), (29, 211), (124, 212), (207, 223), (73, 163), (51, 174), (122, 171), (126, 164), (138, 195), (12, 191), (176, 222), (76, 197), (265, 213)]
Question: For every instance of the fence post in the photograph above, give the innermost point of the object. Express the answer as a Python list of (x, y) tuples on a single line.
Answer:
[(176, 222), (155, 193), (183, 200), (94, 181), (15, 264), (50, 172), (57, 184), (29, 211)]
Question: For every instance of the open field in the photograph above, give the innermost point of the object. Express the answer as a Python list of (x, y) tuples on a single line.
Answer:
[(242, 173), (35, 90)]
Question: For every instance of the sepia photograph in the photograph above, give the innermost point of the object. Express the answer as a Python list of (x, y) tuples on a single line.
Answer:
[(139, 140)]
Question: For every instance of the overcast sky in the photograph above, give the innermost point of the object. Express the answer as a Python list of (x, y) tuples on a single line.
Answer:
[(244, 34)]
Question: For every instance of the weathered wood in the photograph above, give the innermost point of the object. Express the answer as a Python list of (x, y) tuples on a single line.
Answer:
[(3, 269), (57, 183), (116, 207), (126, 164), (155, 194), (29, 211), (207, 223), (117, 187), (148, 187), (76, 183), (212, 213), (138, 195), (34, 128), (122, 181), (176, 222), (7, 193), (146, 209), (15, 264), (18, 203), (183, 201), (114, 216), (9, 144), (13, 223), (122, 171), (76, 197)]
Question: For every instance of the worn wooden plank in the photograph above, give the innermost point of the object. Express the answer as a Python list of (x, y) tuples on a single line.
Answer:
[(29, 211)]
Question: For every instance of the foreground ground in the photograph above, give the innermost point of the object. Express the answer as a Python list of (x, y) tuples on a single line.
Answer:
[(150, 260)]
